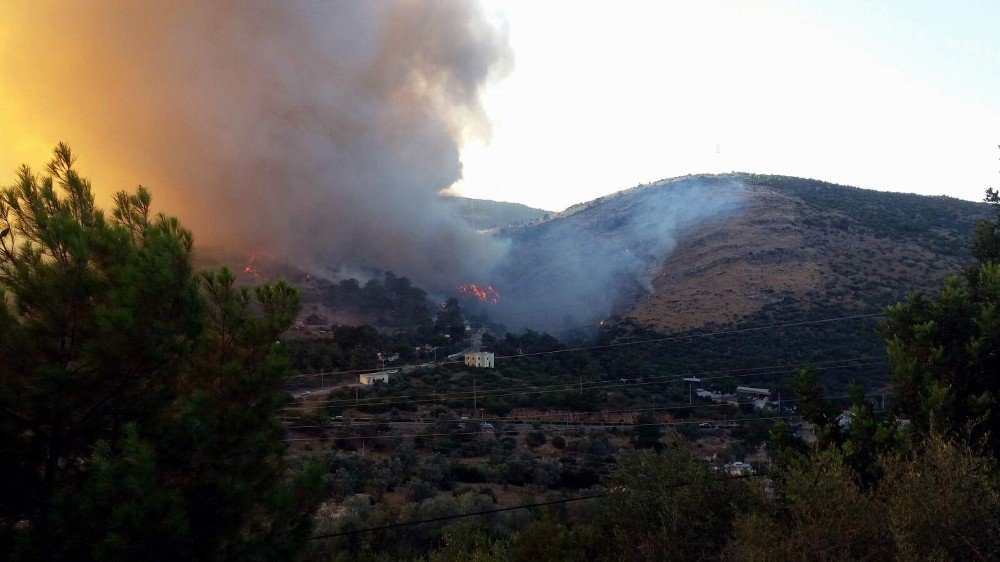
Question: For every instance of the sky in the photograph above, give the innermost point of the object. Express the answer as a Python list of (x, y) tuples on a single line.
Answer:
[(602, 96)]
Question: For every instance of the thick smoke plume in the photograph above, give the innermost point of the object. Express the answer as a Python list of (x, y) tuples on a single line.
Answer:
[(319, 132)]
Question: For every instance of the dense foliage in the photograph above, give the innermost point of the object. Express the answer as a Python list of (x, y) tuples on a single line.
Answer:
[(393, 300), (945, 350), (139, 407), (915, 480), (137, 399)]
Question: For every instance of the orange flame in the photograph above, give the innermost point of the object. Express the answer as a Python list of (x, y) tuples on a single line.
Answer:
[(485, 294), (251, 267)]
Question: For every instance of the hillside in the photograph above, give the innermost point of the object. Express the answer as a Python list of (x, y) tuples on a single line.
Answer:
[(782, 250), (702, 253), (810, 245), (483, 214), (593, 259)]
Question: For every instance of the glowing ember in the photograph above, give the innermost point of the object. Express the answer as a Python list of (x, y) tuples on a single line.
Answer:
[(251, 267), (485, 294)]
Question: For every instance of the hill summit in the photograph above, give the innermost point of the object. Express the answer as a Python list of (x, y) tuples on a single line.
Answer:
[(808, 245)]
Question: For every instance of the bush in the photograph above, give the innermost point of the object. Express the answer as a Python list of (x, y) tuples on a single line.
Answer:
[(536, 439), (418, 491), (469, 474)]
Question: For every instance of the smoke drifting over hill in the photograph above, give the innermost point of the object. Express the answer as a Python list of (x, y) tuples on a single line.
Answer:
[(320, 132), (592, 260)]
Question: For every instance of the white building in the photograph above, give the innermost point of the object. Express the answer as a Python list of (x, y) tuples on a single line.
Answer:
[(372, 378), (739, 468), (761, 393), (484, 359)]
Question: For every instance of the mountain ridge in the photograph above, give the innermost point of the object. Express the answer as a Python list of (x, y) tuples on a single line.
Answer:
[(840, 245), (487, 214)]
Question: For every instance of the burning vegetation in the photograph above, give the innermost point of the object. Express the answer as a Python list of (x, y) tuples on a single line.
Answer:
[(485, 293), (260, 265), (251, 267)]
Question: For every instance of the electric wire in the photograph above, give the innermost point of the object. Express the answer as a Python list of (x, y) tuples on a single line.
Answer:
[(602, 346), (568, 387), (508, 508)]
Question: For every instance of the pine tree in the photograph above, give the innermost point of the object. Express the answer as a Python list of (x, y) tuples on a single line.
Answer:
[(944, 350), (137, 399)]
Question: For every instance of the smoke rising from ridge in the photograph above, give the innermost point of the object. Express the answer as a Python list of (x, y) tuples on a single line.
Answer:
[(320, 132), (598, 258)]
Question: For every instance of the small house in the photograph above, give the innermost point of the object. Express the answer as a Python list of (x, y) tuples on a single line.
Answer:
[(483, 359), (372, 378)]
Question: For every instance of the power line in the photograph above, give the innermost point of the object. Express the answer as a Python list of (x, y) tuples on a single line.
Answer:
[(458, 516), (487, 448), (508, 419), (576, 385), (606, 346), (380, 400), (566, 428), (592, 461), (590, 385), (503, 509), (593, 385), (697, 336), (567, 424)]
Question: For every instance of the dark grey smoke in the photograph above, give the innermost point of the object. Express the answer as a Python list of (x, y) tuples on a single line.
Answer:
[(320, 133), (593, 260), (316, 131)]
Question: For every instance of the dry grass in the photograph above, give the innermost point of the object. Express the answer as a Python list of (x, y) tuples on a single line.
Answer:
[(780, 247)]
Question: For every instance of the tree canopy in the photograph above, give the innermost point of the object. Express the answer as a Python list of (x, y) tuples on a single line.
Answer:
[(137, 398), (944, 350)]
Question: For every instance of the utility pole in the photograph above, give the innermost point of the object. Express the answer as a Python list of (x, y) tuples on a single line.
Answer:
[(475, 398), (355, 397), (690, 396)]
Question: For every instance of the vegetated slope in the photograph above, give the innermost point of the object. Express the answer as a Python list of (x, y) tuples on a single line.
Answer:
[(593, 259), (483, 214), (800, 251), (381, 298), (809, 245)]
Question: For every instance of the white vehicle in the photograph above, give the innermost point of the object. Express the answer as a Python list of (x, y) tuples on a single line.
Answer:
[(393, 371), (487, 425)]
